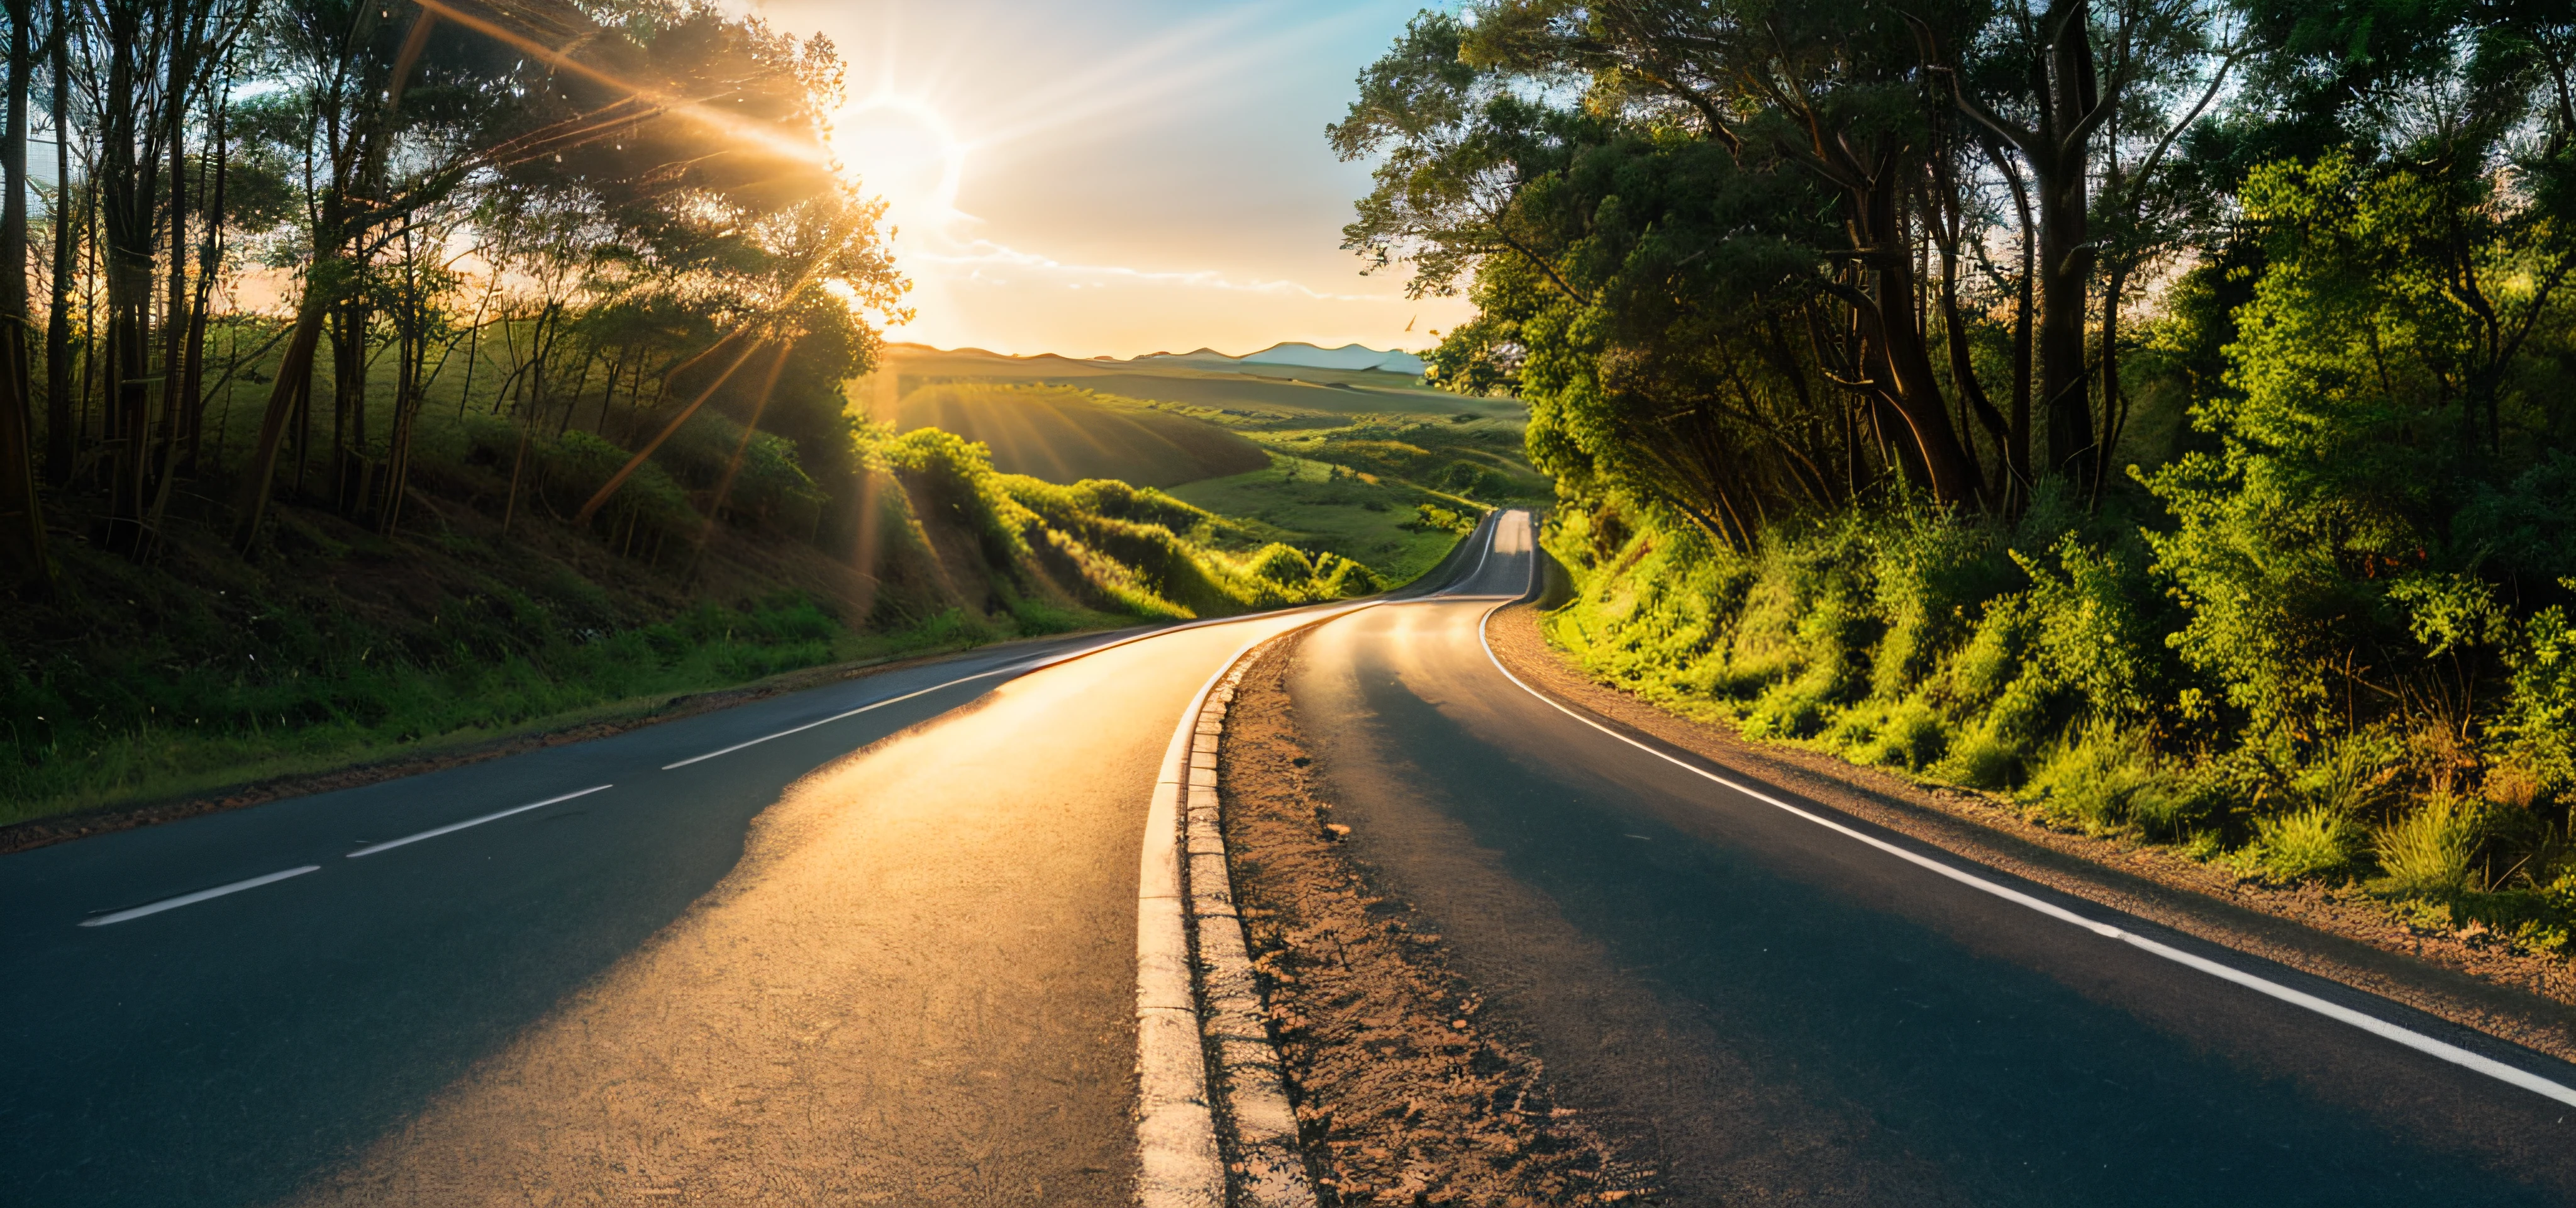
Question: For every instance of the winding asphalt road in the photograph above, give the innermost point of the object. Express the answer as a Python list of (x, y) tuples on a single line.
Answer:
[(876, 943), (1771, 1001), (716, 958)]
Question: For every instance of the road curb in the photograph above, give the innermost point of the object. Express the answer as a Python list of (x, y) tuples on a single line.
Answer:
[(1210, 1083), (1213, 1123)]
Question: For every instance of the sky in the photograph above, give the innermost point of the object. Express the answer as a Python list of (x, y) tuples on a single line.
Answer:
[(1118, 177)]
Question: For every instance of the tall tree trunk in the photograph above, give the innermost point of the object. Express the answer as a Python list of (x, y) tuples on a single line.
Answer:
[(2065, 274), (175, 323), (128, 196), (2069, 106), (22, 519), (285, 403), (1912, 391), (210, 258), (2115, 403), (59, 426), (2023, 476)]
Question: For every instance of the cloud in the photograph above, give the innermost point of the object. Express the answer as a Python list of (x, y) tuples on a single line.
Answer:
[(980, 254)]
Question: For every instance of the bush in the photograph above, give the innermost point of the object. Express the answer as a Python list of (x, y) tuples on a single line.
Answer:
[(2427, 852), (2305, 843), (1349, 580), (2094, 778), (1283, 565)]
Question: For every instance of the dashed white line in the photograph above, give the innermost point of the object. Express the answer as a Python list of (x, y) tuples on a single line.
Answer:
[(2372, 1024), (191, 899), (452, 827), (891, 700)]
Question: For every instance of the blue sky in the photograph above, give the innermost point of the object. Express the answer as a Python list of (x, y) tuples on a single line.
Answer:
[(1118, 177)]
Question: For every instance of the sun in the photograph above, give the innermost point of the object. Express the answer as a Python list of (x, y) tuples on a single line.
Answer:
[(905, 152)]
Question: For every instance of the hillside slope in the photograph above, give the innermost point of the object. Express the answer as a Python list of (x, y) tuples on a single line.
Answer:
[(1065, 434), (487, 612)]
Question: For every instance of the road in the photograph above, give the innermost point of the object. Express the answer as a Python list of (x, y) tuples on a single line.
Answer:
[(1770, 1009), (885, 952), (874, 939)]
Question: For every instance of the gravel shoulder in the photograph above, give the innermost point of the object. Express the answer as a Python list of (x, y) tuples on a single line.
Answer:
[(2466, 978), (1406, 1090)]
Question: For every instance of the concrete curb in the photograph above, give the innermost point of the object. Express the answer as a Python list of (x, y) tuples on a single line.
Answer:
[(1212, 1095), (1268, 1163), (1198, 1010)]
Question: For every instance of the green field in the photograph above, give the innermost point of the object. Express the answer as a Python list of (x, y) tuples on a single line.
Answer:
[(1065, 434), (1324, 506), (1355, 456)]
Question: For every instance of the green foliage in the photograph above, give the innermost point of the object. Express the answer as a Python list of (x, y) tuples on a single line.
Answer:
[(1347, 580), (206, 702), (2312, 842), (2538, 724), (2427, 851), (2321, 630)]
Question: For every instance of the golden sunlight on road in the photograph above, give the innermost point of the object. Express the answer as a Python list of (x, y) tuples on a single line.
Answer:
[(916, 987)]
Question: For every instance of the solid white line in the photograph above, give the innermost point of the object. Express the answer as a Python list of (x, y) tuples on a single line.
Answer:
[(191, 899), (453, 827), (1039, 665), (2375, 1026), (1481, 553)]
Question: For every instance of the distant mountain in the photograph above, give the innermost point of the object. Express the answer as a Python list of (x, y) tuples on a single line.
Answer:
[(1348, 356)]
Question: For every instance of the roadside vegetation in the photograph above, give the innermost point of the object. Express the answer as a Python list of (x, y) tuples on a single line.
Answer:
[(1389, 475), (379, 380), (1067, 433), (203, 671), (2206, 478)]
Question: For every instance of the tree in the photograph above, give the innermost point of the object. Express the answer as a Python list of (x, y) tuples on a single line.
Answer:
[(22, 519), (1898, 143)]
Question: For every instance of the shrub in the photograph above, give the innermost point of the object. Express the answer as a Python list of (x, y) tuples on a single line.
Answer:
[(2428, 850), (1283, 565), (1983, 760), (2094, 778), (2539, 716), (2305, 843), (1914, 736), (1350, 580)]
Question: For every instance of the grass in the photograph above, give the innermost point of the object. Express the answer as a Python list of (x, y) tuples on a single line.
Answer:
[(1064, 434), (397, 710), (1311, 503), (1991, 658), (1354, 457), (337, 645), (1277, 388)]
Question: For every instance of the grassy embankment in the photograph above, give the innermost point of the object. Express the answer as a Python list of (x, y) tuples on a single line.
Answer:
[(337, 645), (2029, 661)]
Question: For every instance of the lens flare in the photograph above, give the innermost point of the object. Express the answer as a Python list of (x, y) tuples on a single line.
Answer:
[(905, 152)]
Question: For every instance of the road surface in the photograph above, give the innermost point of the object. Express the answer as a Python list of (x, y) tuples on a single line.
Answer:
[(718, 958), (1769, 1009), (885, 953)]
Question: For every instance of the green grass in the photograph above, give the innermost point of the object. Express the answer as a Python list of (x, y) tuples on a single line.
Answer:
[(348, 695), (1354, 457), (1065, 434), (1966, 653), (1320, 505), (1286, 388)]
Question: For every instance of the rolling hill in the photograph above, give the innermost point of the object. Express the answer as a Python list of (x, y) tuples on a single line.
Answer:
[(1298, 354), (1064, 434), (1212, 381)]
